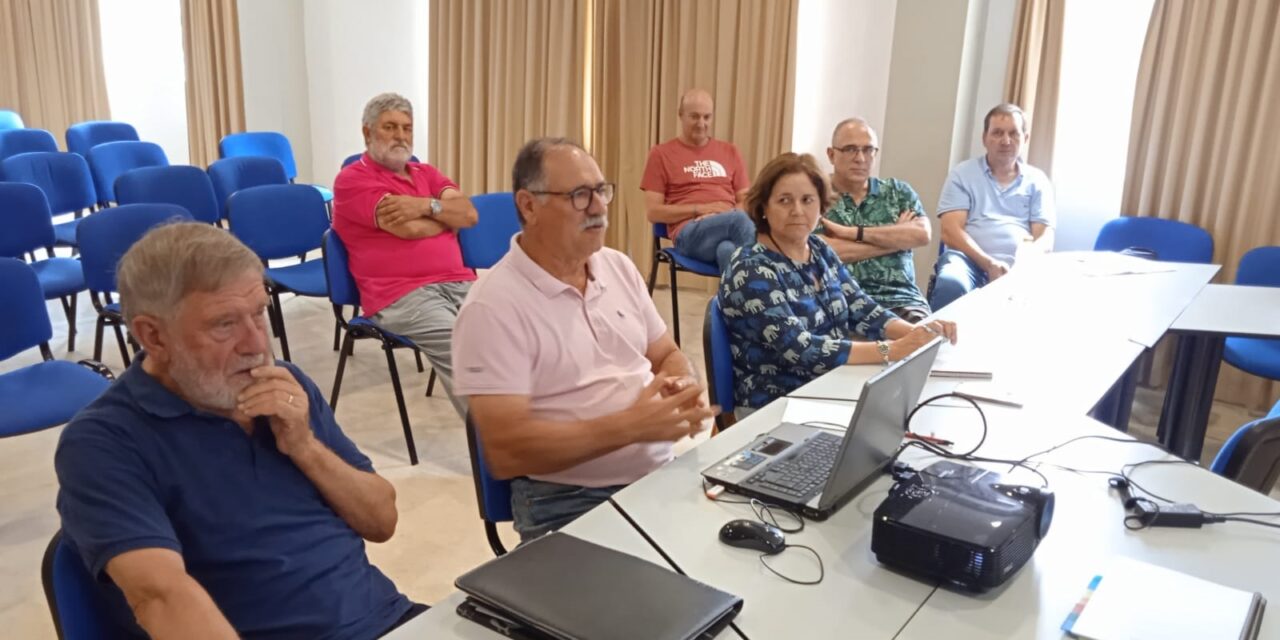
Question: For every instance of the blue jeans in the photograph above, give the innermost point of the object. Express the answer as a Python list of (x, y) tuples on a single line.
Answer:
[(953, 276), (714, 238), (539, 507)]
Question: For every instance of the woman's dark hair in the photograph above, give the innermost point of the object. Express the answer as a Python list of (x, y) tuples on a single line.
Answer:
[(784, 165)]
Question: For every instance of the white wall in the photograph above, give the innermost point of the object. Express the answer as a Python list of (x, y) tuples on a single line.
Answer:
[(994, 42), (842, 69), (274, 68), (354, 52), (146, 71)]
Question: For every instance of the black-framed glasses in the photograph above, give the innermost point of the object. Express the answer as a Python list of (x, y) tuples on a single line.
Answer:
[(868, 151), (581, 197)]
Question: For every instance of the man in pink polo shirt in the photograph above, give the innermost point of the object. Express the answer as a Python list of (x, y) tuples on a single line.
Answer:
[(696, 184), (398, 220), (575, 384)]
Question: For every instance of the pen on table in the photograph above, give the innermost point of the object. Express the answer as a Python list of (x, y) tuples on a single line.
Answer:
[(911, 435)]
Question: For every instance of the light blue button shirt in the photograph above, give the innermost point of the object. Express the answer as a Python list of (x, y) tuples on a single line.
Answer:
[(999, 218)]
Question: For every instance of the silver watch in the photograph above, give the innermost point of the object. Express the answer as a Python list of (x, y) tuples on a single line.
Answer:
[(883, 348), (436, 207)]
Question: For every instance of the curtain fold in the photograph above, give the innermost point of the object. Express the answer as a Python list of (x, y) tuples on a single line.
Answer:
[(1200, 149), (502, 72), (1031, 80), (215, 91), (51, 69)]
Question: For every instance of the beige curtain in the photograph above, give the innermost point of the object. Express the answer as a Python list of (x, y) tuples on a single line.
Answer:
[(647, 52), (1031, 81), (1202, 146), (51, 63), (215, 95), (502, 72)]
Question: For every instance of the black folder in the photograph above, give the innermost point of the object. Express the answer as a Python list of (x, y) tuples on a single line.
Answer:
[(566, 588)]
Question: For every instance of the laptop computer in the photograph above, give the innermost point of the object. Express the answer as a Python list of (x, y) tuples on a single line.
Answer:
[(814, 471)]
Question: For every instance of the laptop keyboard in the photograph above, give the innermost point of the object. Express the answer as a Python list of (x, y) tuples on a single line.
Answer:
[(805, 472)]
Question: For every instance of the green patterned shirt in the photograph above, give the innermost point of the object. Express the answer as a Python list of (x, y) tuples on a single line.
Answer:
[(889, 279)]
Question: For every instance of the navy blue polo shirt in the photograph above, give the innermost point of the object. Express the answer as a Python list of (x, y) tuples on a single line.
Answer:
[(141, 468)]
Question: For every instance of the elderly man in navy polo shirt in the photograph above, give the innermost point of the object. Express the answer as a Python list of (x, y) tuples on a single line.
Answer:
[(209, 490), (992, 208)]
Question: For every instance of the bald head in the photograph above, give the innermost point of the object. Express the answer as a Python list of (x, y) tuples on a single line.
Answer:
[(695, 111), (854, 125), (698, 98), (854, 145)]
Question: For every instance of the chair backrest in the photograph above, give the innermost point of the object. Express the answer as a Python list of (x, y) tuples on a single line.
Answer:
[(493, 495), (1172, 241), (278, 220), (104, 237), (78, 608), (1251, 456), (184, 185), (718, 359), (15, 141), (86, 135), (337, 273), (10, 120), (64, 178), (356, 156), (26, 321), (24, 214), (110, 160), (233, 174), (484, 244), (269, 144), (1260, 267)]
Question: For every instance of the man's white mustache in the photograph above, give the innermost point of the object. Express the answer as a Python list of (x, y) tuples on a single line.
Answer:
[(595, 221)]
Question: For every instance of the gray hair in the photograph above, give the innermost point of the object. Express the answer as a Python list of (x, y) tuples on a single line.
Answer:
[(528, 171), (1008, 109), (382, 103), (174, 260), (854, 120)]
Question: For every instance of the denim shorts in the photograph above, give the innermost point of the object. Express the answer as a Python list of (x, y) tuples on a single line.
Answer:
[(539, 507)]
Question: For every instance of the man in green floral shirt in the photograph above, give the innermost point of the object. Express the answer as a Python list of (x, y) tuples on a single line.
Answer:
[(874, 224)]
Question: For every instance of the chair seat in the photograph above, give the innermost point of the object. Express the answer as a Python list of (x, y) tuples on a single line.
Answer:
[(306, 279), (325, 192), (1258, 356), (59, 276), (689, 264), (361, 321), (46, 395), (112, 309), (65, 233)]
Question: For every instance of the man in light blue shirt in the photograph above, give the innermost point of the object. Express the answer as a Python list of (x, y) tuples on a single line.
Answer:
[(992, 208)]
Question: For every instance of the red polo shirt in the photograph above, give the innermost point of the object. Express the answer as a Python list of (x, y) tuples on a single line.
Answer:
[(386, 266)]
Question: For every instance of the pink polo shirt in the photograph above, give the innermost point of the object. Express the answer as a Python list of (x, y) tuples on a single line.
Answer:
[(523, 332), (386, 266)]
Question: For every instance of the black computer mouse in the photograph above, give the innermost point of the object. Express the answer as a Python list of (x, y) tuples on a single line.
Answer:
[(753, 534)]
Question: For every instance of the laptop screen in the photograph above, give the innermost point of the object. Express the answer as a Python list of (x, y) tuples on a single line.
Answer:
[(878, 423)]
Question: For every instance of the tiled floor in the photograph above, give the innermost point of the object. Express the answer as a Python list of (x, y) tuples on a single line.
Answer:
[(439, 534)]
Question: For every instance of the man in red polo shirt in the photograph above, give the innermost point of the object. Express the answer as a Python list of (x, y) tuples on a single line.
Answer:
[(398, 220)]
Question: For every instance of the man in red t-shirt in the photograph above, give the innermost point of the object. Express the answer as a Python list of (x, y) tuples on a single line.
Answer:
[(398, 220), (696, 184)]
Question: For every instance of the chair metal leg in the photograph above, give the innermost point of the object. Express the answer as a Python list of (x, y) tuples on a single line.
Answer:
[(97, 337), (404, 413), (495, 542), (284, 339), (431, 383), (69, 307), (342, 366), (337, 334), (653, 273), (417, 355), (124, 350), (675, 305)]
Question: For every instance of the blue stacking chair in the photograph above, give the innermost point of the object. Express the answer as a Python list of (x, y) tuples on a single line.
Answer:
[(104, 239), (65, 180), (1259, 267), (15, 141), (24, 212), (343, 292), (184, 185), (677, 262), (717, 356), (356, 156), (484, 244), (233, 174), (1169, 240), (79, 610), (492, 495), (10, 120), (48, 393), (1251, 456), (110, 160), (270, 144), (282, 221), (83, 136)]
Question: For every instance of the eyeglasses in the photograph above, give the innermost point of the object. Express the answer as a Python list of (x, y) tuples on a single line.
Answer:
[(581, 197), (853, 150)]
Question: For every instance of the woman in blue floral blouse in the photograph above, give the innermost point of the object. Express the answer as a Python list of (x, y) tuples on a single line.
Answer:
[(792, 309)]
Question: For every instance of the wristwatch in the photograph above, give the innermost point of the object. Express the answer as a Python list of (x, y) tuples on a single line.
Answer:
[(436, 207), (859, 238), (883, 348)]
